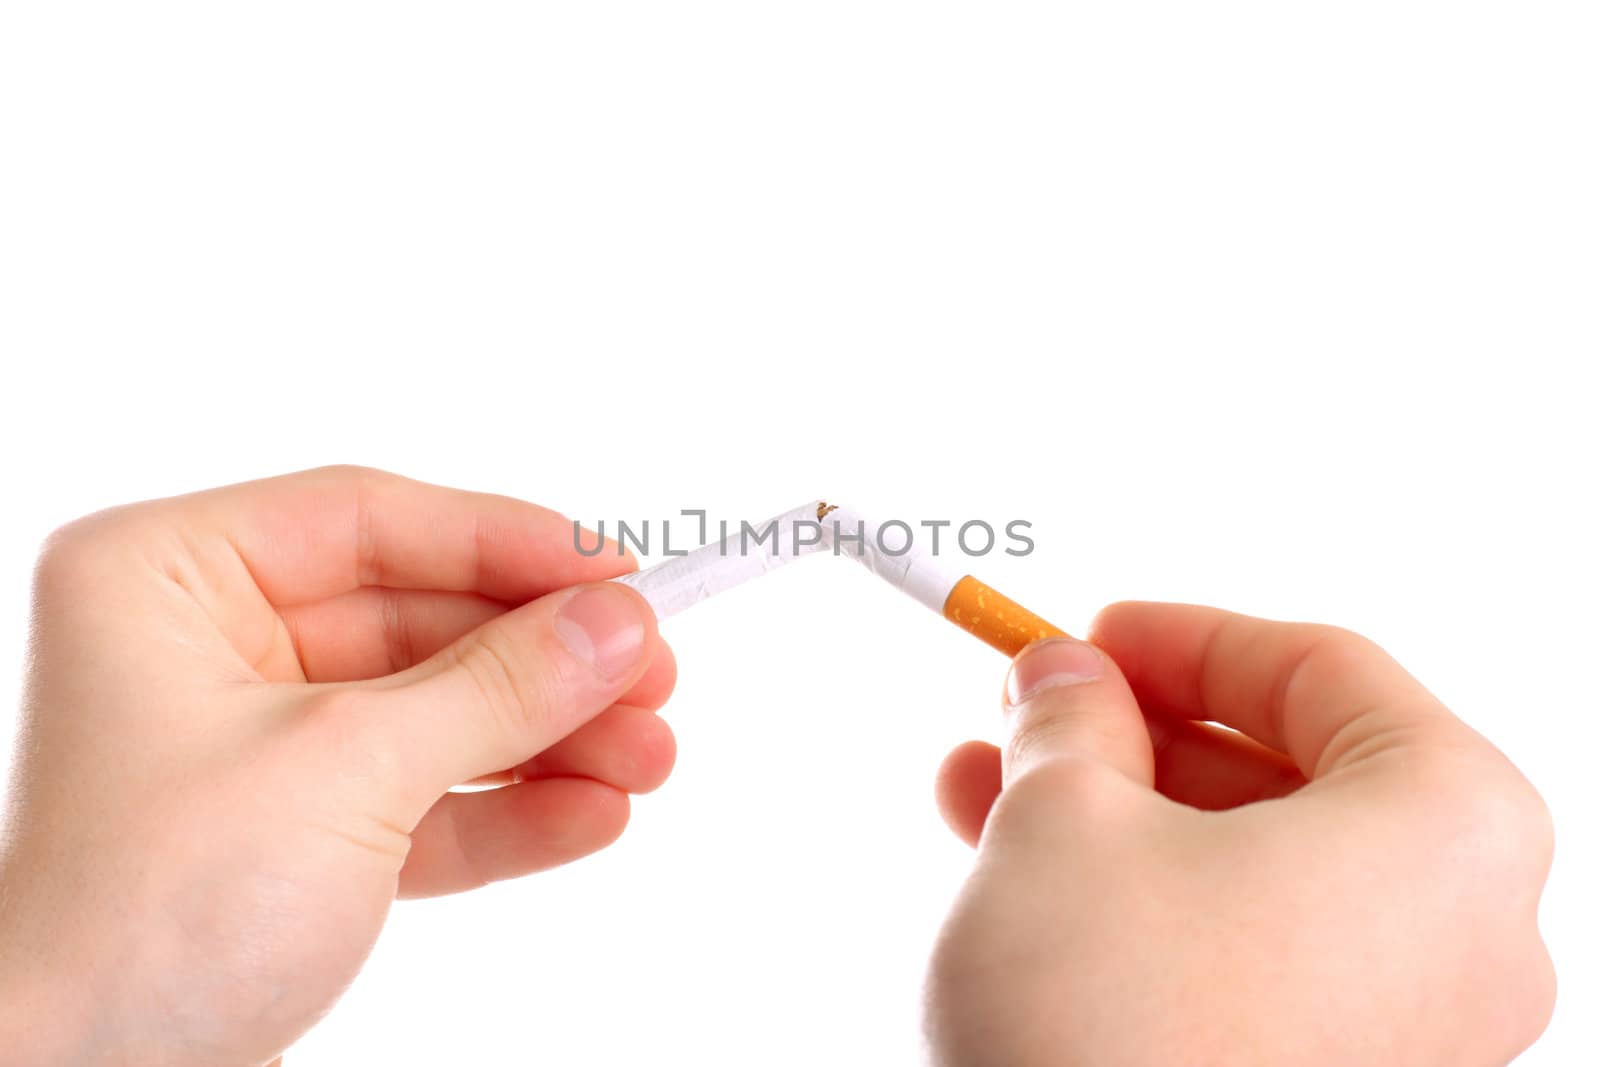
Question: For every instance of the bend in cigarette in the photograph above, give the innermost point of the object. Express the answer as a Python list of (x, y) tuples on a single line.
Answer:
[(679, 583)]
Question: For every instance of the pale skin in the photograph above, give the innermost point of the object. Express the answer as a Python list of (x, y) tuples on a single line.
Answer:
[(246, 710), (1352, 877)]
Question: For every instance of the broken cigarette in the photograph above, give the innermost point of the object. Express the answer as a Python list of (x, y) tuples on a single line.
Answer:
[(820, 528)]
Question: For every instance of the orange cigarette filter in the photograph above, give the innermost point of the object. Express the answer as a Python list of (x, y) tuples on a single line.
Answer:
[(994, 618)]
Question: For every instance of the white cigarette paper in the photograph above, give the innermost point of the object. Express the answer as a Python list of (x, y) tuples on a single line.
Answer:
[(812, 529)]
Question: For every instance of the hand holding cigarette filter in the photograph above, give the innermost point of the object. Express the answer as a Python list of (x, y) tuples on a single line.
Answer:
[(822, 528)]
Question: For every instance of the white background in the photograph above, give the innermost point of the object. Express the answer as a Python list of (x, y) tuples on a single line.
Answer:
[(1290, 308)]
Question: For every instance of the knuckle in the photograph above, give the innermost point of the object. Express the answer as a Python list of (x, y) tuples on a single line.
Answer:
[(1516, 821), (518, 697), (1059, 731), (1108, 615), (488, 668), (1515, 1012), (349, 472), (1539, 998), (394, 628), (1339, 644), (1033, 737), (67, 542), (349, 479), (71, 550), (59, 556), (1336, 635), (1483, 808), (1533, 999)]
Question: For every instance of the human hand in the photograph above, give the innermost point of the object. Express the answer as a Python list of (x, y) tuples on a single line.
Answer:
[(243, 715), (1354, 877)]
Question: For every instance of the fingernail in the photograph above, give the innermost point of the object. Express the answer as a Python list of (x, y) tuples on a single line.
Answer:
[(1049, 663), (603, 626)]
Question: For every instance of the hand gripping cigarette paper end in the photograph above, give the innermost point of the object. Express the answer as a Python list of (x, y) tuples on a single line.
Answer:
[(819, 528)]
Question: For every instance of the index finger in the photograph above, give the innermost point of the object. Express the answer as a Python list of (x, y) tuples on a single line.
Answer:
[(309, 536), (1321, 695)]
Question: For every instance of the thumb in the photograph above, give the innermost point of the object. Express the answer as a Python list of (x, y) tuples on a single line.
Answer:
[(512, 687), (1066, 699)]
